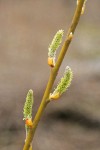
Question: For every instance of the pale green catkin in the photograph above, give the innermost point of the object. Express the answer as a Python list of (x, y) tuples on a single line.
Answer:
[(65, 81), (27, 110), (55, 43)]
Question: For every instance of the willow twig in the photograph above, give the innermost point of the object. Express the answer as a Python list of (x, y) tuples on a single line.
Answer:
[(53, 73)]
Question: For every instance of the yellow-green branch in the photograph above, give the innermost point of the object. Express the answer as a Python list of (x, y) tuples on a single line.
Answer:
[(53, 74)]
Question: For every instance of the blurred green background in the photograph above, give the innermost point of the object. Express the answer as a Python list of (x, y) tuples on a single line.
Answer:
[(26, 29)]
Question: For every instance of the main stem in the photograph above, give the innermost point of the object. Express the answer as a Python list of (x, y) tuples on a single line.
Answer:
[(53, 75)]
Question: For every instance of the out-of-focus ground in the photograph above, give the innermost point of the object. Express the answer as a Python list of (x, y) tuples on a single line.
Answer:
[(26, 29)]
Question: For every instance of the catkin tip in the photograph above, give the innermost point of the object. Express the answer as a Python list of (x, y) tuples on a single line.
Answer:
[(31, 91)]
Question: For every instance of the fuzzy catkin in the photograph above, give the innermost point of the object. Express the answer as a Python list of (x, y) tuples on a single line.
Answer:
[(27, 111), (64, 83), (55, 43)]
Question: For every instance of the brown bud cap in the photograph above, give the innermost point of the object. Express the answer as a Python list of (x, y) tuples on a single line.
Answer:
[(51, 61)]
